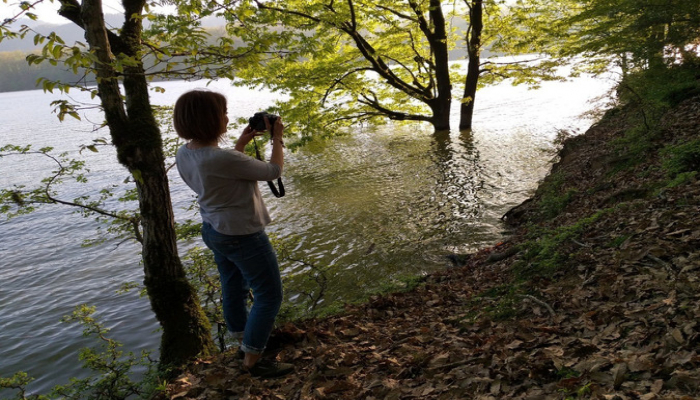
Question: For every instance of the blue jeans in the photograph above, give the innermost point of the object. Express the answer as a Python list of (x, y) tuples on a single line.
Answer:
[(247, 262)]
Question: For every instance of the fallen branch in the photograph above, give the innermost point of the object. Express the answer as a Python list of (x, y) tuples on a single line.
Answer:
[(539, 302), (494, 257), (454, 364), (666, 265), (580, 244)]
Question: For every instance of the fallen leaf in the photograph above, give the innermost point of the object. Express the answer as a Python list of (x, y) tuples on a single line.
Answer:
[(618, 374)]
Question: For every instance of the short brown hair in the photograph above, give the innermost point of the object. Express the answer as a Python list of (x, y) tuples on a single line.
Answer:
[(201, 115)]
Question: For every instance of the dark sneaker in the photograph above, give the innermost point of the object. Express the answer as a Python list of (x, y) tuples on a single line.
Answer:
[(269, 369)]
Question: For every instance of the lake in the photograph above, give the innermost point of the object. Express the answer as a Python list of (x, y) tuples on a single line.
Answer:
[(368, 207)]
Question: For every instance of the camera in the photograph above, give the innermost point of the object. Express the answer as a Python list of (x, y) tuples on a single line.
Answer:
[(257, 121)]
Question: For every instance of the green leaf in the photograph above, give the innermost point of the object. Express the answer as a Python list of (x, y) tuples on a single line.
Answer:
[(137, 175), (57, 52)]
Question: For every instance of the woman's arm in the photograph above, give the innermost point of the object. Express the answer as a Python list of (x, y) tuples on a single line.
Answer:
[(245, 138), (277, 156), (277, 130)]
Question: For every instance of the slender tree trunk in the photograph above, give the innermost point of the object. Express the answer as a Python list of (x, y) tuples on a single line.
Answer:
[(476, 24), (136, 136), (440, 106)]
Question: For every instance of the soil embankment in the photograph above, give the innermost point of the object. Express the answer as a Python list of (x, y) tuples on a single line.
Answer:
[(596, 295)]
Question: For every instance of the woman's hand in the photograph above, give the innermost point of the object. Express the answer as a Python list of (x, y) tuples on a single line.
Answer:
[(245, 138), (277, 130)]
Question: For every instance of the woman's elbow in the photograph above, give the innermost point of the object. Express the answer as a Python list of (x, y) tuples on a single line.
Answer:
[(276, 169)]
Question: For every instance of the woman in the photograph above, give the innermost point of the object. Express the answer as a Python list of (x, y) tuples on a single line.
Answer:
[(234, 218)]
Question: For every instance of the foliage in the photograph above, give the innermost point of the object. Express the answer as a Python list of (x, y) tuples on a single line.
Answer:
[(658, 90), (112, 370), (202, 273), (497, 303), (682, 158), (546, 250), (113, 367), (521, 33), (371, 61), (629, 34), (331, 57), (20, 200), (17, 75), (553, 199), (645, 96), (115, 58), (19, 382)]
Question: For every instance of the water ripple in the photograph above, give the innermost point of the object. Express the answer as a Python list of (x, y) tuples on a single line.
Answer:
[(367, 207)]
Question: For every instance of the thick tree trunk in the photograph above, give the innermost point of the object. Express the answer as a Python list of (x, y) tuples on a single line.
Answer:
[(136, 136), (441, 114), (443, 100), (476, 24), (186, 329)]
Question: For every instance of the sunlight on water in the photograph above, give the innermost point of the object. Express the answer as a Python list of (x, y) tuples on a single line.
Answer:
[(369, 206)]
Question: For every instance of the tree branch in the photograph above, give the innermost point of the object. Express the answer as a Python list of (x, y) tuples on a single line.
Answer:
[(539, 302), (368, 52), (14, 18), (340, 81), (133, 221), (398, 14), (71, 10), (394, 115)]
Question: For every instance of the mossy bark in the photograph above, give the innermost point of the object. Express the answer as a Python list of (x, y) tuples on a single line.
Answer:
[(136, 136)]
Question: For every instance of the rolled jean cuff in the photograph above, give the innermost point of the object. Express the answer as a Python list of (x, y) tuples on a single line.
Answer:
[(251, 350)]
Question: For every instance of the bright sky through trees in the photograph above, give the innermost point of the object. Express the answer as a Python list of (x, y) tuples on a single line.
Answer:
[(46, 10)]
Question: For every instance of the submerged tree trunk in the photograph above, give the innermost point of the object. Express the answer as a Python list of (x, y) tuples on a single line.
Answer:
[(136, 136), (443, 99), (476, 26)]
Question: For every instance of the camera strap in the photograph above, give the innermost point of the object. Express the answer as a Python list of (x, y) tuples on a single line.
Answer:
[(277, 193)]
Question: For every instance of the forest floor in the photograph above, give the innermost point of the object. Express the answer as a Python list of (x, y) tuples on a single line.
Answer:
[(595, 295)]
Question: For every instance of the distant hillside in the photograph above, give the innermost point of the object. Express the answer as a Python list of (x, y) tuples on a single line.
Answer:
[(69, 32), (15, 75)]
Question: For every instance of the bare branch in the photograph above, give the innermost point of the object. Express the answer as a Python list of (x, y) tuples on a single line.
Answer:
[(134, 221), (391, 114), (340, 81), (398, 14), (513, 62), (14, 18), (539, 302)]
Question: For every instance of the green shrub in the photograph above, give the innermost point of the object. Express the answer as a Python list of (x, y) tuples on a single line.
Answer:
[(661, 87), (682, 158), (545, 252), (683, 178), (553, 197)]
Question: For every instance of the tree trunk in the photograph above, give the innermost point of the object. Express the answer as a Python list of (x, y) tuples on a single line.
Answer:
[(136, 136), (476, 25), (442, 102)]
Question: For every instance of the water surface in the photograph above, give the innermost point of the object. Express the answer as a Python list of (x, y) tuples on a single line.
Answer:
[(366, 207)]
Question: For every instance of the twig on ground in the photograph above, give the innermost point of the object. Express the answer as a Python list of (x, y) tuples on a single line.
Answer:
[(539, 302), (580, 244), (666, 265)]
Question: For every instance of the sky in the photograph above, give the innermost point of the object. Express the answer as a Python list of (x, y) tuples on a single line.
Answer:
[(46, 10)]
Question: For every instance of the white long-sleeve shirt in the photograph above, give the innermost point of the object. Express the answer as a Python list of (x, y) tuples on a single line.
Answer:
[(226, 184)]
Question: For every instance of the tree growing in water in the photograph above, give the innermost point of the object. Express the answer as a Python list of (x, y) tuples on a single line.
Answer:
[(344, 62)]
